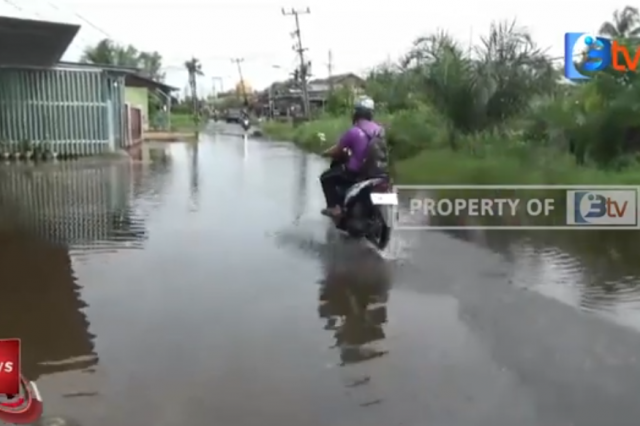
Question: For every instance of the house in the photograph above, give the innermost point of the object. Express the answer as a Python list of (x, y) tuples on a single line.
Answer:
[(76, 109), (286, 96), (137, 90), (349, 80)]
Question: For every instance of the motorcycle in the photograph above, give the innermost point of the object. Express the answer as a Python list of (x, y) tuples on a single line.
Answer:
[(245, 124), (364, 207)]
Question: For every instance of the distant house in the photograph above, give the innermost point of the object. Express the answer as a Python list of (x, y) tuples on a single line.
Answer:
[(349, 80), (287, 95), (136, 93)]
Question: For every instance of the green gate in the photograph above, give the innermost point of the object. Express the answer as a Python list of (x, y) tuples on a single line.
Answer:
[(75, 111)]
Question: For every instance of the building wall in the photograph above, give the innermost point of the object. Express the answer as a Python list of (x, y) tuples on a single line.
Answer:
[(78, 112), (139, 97)]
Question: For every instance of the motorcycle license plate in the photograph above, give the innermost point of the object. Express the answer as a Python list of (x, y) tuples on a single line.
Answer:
[(384, 199)]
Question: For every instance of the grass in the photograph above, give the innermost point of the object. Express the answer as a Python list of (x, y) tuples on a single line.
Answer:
[(439, 165), (184, 123)]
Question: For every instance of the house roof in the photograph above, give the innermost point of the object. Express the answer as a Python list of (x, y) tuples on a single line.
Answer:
[(98, 67), (336, 78), (26, 42)]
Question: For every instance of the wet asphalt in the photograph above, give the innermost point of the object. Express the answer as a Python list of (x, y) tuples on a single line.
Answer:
[(206, 288)]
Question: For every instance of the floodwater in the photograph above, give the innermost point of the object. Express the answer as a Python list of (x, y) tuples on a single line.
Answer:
[(205, 288)]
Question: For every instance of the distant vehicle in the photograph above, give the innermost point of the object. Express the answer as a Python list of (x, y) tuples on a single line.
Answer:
[(233, 116), (246, 124)]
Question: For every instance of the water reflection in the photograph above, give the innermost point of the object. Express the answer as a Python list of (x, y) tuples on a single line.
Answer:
[(73, 205), (300, 186), (194, 176), (48, 214), (593, 270), (42, 306), (352, 301)]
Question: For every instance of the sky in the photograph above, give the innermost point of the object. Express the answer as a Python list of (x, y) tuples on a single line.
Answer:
[(359, 34)]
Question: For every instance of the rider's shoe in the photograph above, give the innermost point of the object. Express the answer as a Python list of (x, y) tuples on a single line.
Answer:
[(332, 211)]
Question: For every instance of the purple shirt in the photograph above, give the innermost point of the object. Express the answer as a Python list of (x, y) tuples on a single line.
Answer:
[(357, 141)]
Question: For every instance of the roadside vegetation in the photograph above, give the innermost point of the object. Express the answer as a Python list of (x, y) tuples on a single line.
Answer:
[(497, 112), (187, 113)]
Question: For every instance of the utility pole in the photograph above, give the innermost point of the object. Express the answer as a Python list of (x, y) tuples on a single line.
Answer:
[(194, 68), (300, 50), (215, 80), (330, 70), (238, 61)]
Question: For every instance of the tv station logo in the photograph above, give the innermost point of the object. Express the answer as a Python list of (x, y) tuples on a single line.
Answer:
[(516, 207), (20, 400), (603, 208)]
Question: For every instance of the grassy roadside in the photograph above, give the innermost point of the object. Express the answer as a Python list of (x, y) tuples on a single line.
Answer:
[(184, 123), (441, 165)]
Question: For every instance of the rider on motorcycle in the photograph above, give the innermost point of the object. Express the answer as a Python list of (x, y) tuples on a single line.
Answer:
[(365, 141)]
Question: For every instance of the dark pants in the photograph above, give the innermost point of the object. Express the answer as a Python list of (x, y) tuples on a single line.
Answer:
[(334, 181)]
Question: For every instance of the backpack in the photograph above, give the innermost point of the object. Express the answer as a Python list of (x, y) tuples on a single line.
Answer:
[(376, 159)]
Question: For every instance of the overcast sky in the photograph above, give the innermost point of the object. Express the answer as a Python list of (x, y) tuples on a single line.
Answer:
[(360, 34)]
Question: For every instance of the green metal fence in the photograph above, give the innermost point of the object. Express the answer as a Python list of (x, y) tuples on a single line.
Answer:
[(75, 111)]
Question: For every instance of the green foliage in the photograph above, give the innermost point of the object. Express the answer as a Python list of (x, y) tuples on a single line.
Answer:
[(339, 102), (108, 52), (499, 112)]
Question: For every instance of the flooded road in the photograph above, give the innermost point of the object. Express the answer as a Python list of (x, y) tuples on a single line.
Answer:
[(207, 289)]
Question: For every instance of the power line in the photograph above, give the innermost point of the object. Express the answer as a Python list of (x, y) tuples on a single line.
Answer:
[(304, 71), (83, 19)]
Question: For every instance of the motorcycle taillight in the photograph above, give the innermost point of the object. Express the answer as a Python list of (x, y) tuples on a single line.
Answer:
[(382, 187)]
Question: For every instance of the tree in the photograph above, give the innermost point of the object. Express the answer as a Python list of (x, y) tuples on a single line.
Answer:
[(151, 64), (107, 52), (626, 24)]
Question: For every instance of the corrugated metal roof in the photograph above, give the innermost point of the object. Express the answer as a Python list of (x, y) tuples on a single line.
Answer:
[(26, 42)]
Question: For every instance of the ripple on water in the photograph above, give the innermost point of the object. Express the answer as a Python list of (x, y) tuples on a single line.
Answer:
[(596, 286)]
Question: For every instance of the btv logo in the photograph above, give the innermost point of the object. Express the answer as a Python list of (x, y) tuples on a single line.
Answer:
[(602, 208), (595, 54)]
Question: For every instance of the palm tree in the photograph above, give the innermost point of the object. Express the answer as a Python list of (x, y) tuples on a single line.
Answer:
[(194, 68), (626, 24)]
